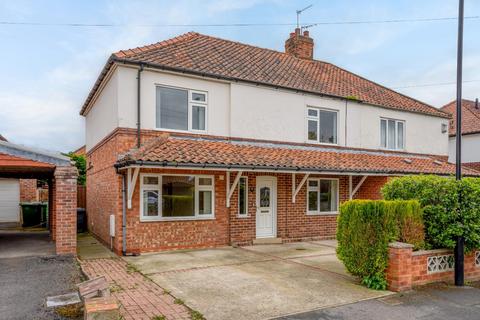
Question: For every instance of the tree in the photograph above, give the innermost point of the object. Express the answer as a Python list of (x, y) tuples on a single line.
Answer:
[(81, 164)]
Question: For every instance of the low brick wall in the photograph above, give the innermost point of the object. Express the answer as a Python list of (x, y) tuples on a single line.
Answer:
[(407, 269)]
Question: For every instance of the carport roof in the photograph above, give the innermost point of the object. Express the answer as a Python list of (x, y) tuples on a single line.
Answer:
[(23, 162)]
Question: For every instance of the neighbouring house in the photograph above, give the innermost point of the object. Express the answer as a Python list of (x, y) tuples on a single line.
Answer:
[(198, 141), (470, 132), (80, 151)]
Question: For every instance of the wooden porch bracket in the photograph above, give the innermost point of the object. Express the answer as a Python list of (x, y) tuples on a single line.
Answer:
[(131, 183), (231, 189), (296, 190), (357, 187)]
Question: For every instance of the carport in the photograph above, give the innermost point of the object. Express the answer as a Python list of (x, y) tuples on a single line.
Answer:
[(19, 162)]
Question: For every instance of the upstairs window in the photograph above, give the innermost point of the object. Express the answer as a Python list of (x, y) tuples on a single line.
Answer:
[(392, 134), (181, 109), (321, 126)]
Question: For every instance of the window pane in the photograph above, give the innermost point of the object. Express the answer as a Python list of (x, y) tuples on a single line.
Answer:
[(178, 195), (313, 183), (400, 135), (205, 181), (383, 133), (391, 134), (328, 195), (312, 201), (172, 108), (312, 113), (242, 196), (198, 118), (205, 202), (150, 203), (312, 130), (265, 197), (328, 127), (150, 180), (199, 96)]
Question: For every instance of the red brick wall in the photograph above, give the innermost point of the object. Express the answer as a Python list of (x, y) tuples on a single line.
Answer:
[(28, 190), (408, 269), (371, 187)]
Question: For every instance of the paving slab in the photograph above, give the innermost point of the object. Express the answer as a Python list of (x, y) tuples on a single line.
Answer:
[(189, 259), (292, 250), (90, 248)]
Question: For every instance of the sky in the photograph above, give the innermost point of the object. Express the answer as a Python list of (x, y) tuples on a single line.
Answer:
[(47, 70)]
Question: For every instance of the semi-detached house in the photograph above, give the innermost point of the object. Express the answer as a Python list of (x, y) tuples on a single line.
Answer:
[(198, 141)]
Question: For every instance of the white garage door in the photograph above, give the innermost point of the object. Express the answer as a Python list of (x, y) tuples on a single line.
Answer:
[(9, 200)]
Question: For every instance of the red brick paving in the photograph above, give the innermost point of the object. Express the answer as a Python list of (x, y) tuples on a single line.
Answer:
[(139, 297)]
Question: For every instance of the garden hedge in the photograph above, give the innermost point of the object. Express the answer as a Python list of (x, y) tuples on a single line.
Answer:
[(451, 208), (366, 227)]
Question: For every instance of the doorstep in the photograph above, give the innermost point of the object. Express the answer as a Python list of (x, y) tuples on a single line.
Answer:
[(267, 241)]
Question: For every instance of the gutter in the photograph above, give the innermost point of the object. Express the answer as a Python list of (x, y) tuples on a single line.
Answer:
[(214, 166)]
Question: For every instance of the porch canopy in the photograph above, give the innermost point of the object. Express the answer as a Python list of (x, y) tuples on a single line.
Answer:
[(183, 151), (19, 162)]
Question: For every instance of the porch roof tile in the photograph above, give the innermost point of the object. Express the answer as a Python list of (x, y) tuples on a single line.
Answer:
[(182, 150)]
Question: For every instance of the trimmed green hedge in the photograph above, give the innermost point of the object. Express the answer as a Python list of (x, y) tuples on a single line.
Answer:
[(451, 208), (366, 227)]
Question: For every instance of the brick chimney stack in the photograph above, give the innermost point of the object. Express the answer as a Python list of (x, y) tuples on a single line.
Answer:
[(300, 46)]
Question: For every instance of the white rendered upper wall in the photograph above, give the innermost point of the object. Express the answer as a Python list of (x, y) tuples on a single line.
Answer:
[(259, 112)]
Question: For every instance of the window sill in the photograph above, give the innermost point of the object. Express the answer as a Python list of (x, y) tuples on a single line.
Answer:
[(181, 131), (322, 143), (330, 213), (177, 219), (243, 216)]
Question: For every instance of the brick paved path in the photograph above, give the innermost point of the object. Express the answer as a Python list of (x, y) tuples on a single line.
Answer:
[(139, 297)]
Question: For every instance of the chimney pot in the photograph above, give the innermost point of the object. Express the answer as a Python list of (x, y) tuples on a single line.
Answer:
[(476, 104), (300, 45)]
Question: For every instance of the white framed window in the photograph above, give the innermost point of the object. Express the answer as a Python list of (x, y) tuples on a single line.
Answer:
[(181, 109), (392, 134), (243, 197), (322, 125), (176, 197), (322, 196)]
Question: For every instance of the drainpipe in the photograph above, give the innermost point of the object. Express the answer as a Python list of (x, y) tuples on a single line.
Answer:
[(124, 215), (139, 78)]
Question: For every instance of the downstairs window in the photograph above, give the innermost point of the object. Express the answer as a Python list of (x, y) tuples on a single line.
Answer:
[(322, 196), (170, 197)]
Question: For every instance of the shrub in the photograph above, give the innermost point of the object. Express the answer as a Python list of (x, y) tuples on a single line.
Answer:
[(451, 208), (366, 227)]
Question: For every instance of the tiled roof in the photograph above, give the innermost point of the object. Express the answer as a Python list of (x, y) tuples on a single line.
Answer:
[(9, 161), (173, 150), (213, 57), (470, 117)]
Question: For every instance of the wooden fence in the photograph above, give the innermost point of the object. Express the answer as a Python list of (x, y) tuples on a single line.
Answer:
[(81, 196)]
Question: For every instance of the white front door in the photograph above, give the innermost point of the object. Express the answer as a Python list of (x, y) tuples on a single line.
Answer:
[(9, 200), (266, 216)]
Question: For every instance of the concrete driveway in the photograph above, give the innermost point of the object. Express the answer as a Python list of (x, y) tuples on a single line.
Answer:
[(257, 282), (17, 244)]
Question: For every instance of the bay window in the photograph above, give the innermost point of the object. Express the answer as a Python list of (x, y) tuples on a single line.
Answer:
[(181, 109), (321, 125), (392, 134), (322, 196), (165, 197)]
